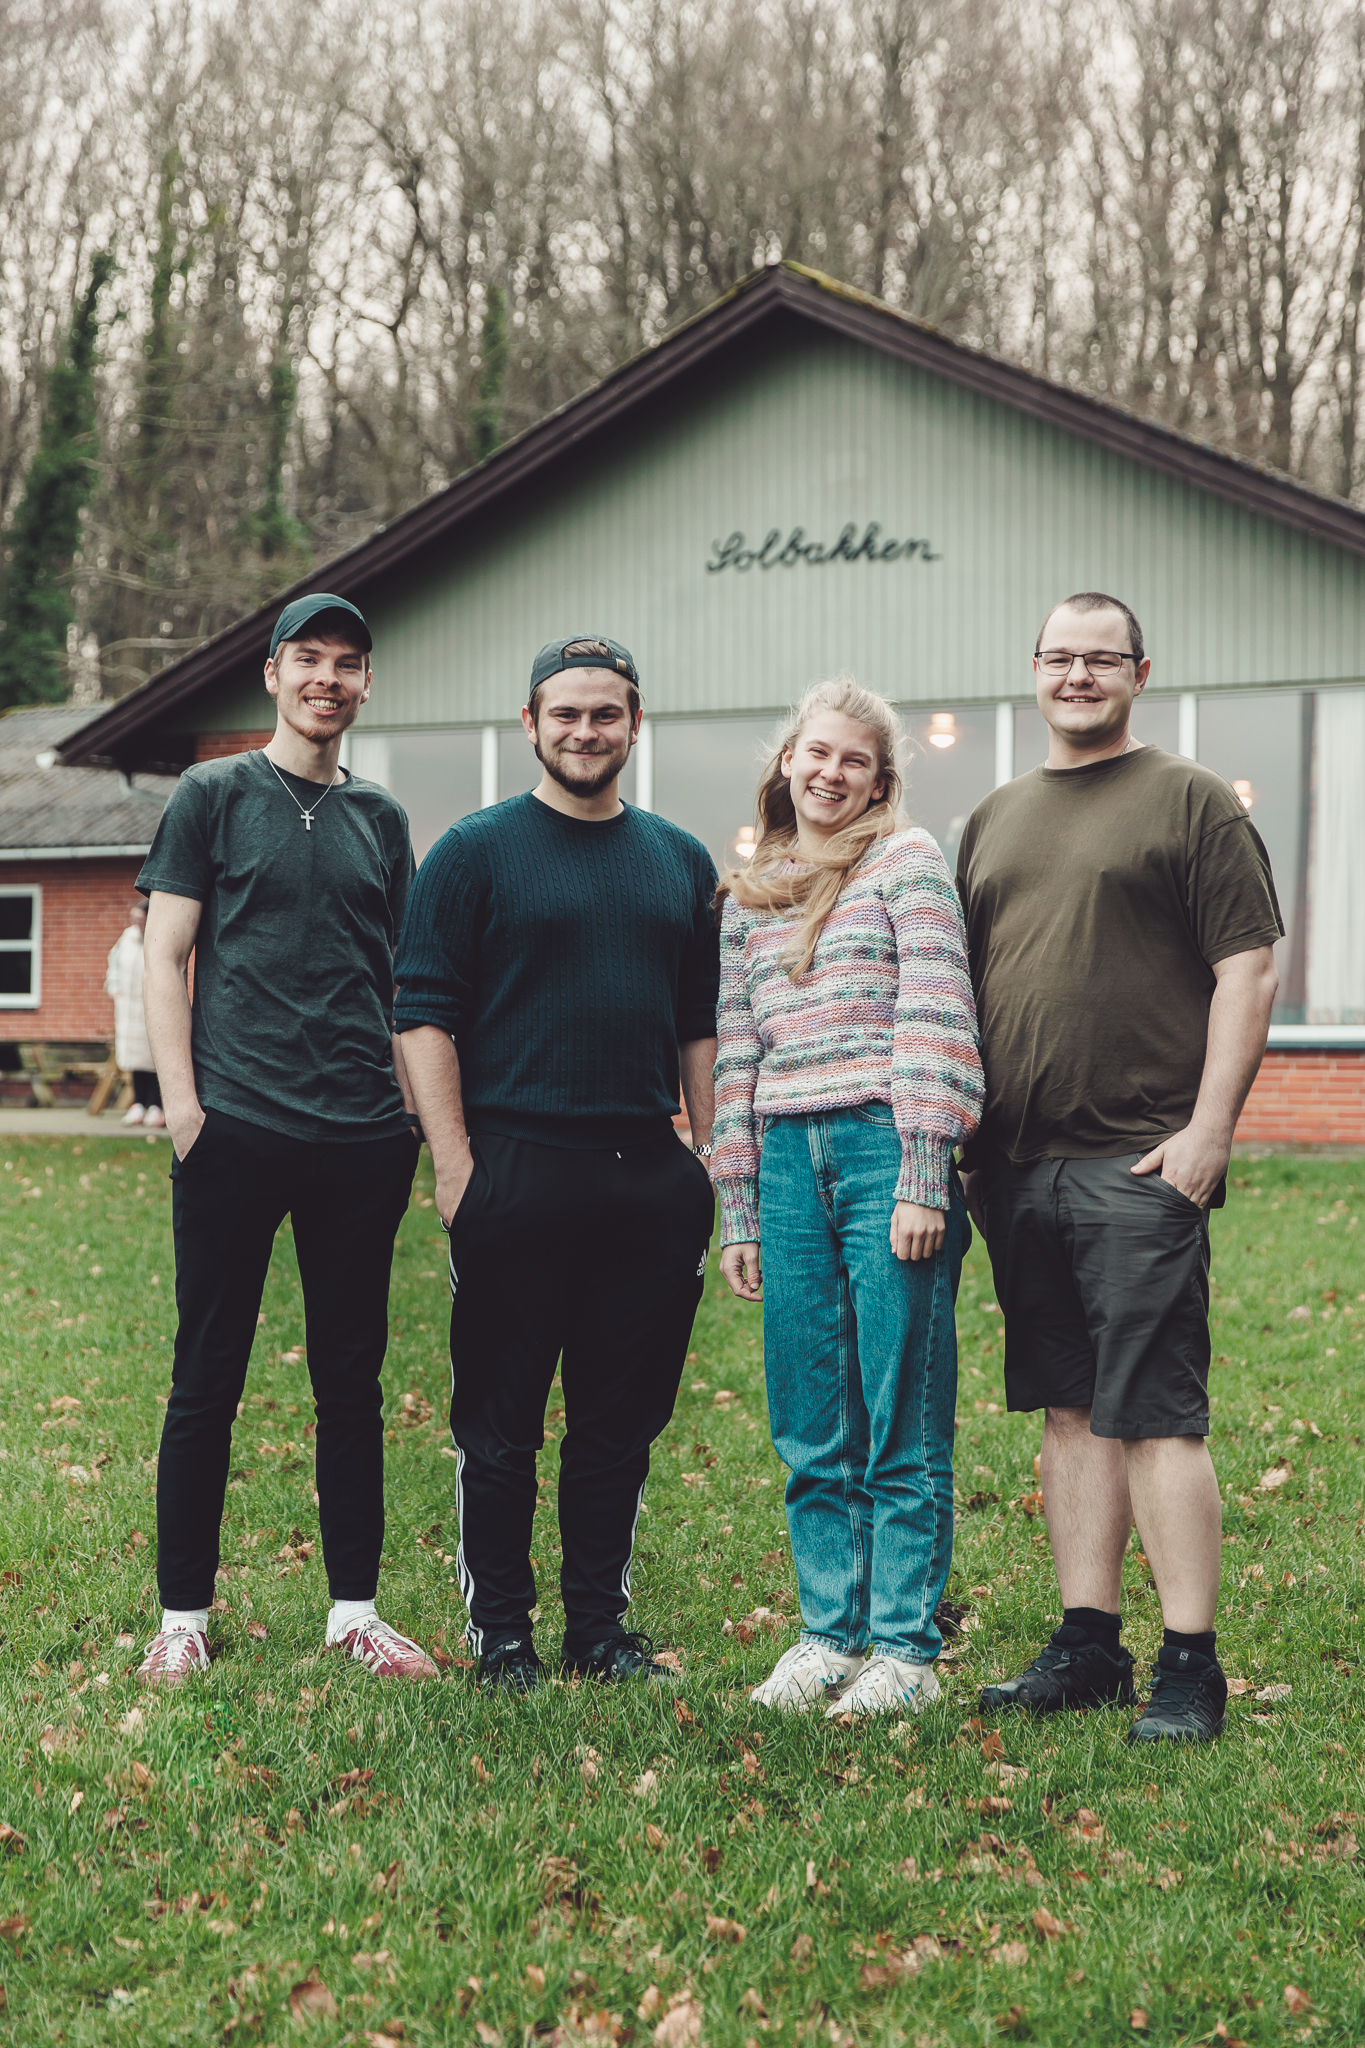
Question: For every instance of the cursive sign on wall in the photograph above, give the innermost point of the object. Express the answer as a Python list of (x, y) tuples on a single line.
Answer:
[(774, 553)]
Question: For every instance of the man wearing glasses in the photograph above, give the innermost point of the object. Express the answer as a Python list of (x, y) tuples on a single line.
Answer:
[(1120, 919)]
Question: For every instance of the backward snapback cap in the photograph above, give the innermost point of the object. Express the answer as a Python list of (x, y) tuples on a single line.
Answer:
[(584, 650), (292, 620)]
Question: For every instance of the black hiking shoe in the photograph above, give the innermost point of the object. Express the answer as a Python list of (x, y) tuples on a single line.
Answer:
[(1069, 1671), (619, 1657), (510, 1666), (1188, 1699)]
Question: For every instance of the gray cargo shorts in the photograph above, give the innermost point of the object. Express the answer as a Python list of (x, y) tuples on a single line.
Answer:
[(1104, 1280)]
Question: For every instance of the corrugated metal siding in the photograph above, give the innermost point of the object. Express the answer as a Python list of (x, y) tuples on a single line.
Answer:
[(818, 434)]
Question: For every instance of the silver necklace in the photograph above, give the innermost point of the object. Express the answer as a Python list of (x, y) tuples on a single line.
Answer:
[(306, 815)]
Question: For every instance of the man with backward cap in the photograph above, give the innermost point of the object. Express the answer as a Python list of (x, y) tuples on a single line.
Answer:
[(557, 975), (286, 877)]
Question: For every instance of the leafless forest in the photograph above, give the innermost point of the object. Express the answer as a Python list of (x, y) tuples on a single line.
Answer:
[(355, 246)]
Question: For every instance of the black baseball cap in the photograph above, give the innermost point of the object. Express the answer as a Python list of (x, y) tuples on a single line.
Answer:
[(585, 650), (350, 624)]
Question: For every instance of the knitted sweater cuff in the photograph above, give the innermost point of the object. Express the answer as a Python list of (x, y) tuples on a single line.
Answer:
[(925, 1164), (738, 1211)]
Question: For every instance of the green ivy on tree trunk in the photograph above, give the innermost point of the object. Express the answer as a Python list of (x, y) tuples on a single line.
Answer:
[(47, 527)]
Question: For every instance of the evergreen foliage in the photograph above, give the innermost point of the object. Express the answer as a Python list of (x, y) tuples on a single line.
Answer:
[(489, 400), (47, 526)]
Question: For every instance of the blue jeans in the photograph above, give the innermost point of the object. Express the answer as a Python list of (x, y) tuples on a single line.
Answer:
[(860, 1351)]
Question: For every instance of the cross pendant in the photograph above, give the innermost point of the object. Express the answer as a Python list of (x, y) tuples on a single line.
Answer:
[(307, 817)]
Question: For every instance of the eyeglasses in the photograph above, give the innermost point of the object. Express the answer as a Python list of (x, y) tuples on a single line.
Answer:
[(1057, 662)]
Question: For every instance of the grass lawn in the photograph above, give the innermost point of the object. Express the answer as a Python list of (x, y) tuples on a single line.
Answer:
[(282, 1851)]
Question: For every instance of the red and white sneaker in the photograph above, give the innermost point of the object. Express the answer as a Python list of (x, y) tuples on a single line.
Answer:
[(383, 1651), (173, 1655)]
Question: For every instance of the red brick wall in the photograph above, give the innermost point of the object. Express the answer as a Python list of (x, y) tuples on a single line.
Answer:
[(212, 746), (1306, 1098), (85, 907)]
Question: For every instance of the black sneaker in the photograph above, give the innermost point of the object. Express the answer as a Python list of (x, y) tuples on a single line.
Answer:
[(1188, 1700), (510, 1666), (1070, 1671), (618, 1657)]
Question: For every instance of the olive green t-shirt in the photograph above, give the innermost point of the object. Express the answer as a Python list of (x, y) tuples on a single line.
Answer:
[(293, 959), (1097, 903)]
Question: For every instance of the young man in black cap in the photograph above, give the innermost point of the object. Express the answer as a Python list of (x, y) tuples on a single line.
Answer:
[(557, 974), (287, 879)]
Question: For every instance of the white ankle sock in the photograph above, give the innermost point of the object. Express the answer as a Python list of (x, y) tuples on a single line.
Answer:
[(173, 1618), (345, 1614)]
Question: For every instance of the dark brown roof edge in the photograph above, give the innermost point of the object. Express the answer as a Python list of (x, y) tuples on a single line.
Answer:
[(786, 287)]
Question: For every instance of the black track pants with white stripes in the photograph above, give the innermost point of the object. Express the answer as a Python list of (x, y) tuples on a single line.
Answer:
[(596, 1258)]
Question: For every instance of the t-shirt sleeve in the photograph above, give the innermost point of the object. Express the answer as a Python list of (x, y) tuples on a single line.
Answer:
[(1233, 906), (699, 972), (179, 862), (436, 963)]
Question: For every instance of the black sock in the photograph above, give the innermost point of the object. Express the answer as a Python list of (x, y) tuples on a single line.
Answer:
[(1100, 1627), (1202, 1644)]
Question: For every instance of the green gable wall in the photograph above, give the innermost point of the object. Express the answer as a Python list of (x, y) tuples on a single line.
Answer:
[(816, 433)]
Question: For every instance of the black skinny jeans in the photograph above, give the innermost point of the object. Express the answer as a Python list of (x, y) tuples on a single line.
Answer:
[(231, 1192), (593, 1260)]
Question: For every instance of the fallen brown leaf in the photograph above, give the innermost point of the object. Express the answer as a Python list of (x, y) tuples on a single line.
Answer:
[(681, 2025), (11, 1841), (1048, 1925), (993, 1748), (1296, 2000), (1012, 1953), (720, 1929), (477, 1766), (993, 1804), (710, 1859), (310, 1999), (801, 1948), (489, 2036), (1010, 2022), (684, 1716), (1138, 2018), (257, 1631), (535, 1976), (13, 1929), (654, 1836)]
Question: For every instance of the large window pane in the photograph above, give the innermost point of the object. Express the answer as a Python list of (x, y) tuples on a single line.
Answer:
[(434, 775), (1334, 966), (949, 766), (706, 774), (1254, 739)]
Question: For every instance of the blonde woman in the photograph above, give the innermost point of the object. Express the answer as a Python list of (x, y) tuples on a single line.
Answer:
[(848, 1046)]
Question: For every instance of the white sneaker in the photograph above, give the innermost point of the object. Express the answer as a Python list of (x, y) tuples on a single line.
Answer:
[(886, 1685), (805, 1675), (136, 1113), (173, 1655), (371, 1642)]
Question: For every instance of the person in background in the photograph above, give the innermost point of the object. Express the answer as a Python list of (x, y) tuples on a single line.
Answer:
[(286, 877), (1120, 919), (132, 1050), (847, 1043), (557, 978)]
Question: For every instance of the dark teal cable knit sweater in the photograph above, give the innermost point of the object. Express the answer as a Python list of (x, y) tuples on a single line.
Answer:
[(568, 962)]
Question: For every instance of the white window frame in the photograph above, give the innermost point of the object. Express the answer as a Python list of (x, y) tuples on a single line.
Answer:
[(33, 945)]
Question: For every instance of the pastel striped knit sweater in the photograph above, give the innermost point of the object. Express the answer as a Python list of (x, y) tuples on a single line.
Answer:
[(884, 1013)]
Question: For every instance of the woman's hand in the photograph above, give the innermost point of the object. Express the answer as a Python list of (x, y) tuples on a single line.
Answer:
[(916, 1233), (741, 1266)]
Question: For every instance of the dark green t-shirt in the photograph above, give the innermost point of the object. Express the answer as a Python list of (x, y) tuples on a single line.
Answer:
[(1097, 903), (293, 962)]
